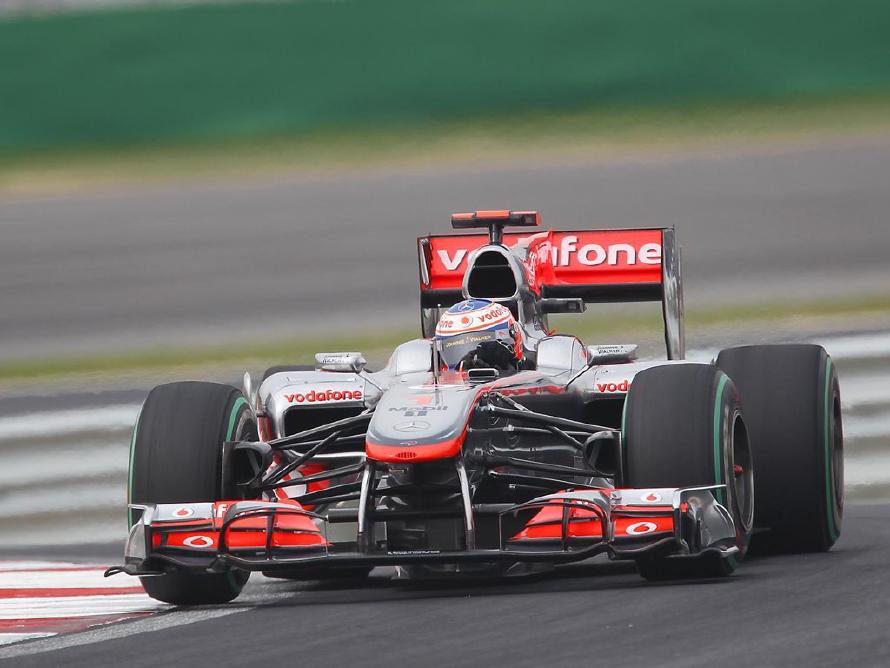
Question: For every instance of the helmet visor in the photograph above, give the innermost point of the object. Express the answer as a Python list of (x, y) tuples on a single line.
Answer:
[(454, 349)]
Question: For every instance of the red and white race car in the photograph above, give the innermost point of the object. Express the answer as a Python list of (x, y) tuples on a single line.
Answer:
[(439, 468)]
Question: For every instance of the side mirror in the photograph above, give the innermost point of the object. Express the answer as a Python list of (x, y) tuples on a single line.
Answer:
[(340, 362), (247, 388), (617, 354)]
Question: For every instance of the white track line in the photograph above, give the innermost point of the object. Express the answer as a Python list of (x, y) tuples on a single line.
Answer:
[(858, 346), (175, 619), (37, 501), (7, 566), (58, 607), (56, 423), (873, 426), (866, 471), (58, 465), (858, 391), (62, 579), (9, 638)]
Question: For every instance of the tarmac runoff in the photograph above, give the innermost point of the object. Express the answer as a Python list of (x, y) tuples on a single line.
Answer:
[(63, 472)]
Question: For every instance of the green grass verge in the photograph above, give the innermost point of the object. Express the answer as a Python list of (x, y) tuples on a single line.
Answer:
[(586, 133), (377, 346)]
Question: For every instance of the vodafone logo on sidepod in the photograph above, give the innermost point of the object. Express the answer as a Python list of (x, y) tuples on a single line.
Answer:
[(313, 397), (623, 386)]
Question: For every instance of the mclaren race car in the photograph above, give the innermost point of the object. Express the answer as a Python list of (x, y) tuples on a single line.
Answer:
[(492, 445)]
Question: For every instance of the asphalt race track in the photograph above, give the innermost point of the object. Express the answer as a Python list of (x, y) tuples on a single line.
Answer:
[(803, 610), (228, 261)]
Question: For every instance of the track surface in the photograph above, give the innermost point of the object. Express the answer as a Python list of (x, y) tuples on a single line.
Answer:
[(205, 263), (814, 610)]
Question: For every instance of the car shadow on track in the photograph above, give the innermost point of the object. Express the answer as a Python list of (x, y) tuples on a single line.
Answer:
[(380, 586)]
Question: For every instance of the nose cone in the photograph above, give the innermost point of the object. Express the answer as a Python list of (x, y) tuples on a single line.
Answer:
[(420, 423)]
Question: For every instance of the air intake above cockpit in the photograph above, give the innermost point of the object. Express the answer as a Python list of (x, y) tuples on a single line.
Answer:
[(491, 275)]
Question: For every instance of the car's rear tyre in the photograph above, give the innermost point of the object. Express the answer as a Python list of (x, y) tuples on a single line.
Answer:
[(792, 406), (286, 367), (683, 427), (176, 456)]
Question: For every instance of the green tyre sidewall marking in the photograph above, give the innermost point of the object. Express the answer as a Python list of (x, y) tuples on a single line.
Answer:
[(732, 560), (829, 488), (718, 441), (236, 408)]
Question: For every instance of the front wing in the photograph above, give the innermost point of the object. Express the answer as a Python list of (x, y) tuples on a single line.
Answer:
[(562, 527)]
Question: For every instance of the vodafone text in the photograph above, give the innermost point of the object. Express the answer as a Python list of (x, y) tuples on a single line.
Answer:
[(623, 386), (328, 395), (590, 255)]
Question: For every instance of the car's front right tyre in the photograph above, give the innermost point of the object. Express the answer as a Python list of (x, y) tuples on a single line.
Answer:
[(683, 427)]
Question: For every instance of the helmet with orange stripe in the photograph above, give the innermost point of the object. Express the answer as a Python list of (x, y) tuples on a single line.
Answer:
[(478, 333)]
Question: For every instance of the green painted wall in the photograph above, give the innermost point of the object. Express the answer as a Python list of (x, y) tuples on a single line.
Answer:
[(209, 72)]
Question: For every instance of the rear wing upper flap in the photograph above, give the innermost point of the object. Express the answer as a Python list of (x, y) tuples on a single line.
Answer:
[(607, 265)]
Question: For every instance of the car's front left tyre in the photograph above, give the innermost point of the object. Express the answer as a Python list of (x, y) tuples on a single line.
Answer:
[(176, 457)]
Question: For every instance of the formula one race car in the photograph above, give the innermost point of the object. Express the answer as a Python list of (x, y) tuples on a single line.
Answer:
[(492, 445)]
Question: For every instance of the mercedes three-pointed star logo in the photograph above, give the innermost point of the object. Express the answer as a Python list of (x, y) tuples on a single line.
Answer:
[(412, 425)]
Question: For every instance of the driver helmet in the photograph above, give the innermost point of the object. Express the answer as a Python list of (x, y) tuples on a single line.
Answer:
[(478, 333)]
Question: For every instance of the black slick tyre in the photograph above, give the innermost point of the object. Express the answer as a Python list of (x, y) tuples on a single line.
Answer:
[(286, 367), (683, 427), (176, 456), (792, 406)]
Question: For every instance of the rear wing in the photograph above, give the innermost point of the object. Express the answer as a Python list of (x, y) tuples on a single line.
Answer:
[(597, 266)]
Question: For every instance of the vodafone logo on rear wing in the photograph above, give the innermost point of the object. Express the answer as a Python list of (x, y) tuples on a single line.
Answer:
[(584, 257)]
